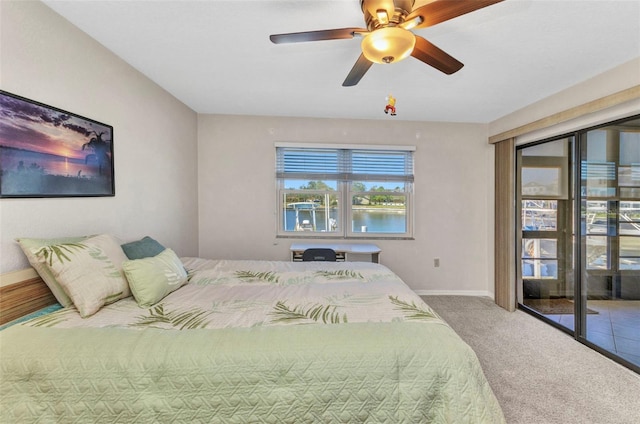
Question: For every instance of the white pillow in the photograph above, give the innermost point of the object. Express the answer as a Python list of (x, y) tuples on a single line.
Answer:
[(151, 279), (90, 271), (38, 263)]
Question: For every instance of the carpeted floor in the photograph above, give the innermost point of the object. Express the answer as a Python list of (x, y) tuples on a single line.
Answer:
[(541, 375)]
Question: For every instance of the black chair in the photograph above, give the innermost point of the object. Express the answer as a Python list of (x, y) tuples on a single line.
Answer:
[(327, 255)]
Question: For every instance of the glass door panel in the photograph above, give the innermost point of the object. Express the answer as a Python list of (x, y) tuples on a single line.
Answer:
[(610, 239), (545, 283)]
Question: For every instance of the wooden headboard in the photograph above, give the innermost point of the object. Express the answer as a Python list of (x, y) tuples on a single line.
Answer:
[(21, 293)]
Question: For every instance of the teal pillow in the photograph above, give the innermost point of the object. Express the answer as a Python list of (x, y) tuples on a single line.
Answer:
[(151, 279), (143, 248)]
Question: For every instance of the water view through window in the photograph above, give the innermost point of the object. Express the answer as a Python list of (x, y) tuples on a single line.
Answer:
[(314, 206), (392, 221)]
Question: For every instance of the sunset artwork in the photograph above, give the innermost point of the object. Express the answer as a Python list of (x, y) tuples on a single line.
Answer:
[(48, 152)]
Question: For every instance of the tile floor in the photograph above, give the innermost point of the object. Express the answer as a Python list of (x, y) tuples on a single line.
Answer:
[(616, 326)]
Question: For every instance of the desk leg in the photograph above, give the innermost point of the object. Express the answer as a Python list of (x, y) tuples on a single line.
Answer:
[(375, 258)]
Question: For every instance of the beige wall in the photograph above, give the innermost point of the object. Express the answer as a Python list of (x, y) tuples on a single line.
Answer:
[(615, 80), (45, 58), (453, 194)]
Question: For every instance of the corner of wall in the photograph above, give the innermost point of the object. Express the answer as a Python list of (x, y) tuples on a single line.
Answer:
[(619, 78)]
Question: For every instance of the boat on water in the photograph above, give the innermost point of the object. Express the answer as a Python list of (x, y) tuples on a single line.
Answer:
[(305, 215)]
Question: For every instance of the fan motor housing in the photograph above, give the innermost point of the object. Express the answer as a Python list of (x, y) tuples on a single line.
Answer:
[(396, 12)]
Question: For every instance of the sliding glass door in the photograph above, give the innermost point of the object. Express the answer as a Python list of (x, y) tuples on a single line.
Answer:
[(578, 199), (546, 284), (610, 238)]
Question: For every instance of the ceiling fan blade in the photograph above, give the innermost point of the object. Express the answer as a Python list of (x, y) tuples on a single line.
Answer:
[(434, 56), (360, 68), (326, 34), (442, 10)]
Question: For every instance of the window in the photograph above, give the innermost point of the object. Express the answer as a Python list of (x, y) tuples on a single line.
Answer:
[(355, 191)]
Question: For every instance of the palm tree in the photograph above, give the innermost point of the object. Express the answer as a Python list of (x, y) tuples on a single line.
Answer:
[(100, 153)]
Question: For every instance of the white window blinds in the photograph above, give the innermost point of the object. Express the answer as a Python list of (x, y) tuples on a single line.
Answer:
[(344, 164)]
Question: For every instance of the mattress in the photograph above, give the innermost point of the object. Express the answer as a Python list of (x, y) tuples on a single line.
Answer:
[(249, 342)]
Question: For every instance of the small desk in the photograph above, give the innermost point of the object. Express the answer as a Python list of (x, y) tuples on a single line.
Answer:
[(342, 250)]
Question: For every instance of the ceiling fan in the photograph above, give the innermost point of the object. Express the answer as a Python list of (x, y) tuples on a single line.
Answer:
[(388, 37)]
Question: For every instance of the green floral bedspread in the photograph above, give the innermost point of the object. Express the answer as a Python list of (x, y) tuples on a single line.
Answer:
[(224, 293), (374, 353)]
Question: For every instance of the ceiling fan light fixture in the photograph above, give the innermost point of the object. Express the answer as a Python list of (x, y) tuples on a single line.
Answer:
[(412, 23), (389, 44), (383, 18)]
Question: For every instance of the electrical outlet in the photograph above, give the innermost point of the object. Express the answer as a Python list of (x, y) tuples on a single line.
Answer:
[(436, 262)]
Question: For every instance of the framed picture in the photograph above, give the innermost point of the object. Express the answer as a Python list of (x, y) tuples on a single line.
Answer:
[(49, 152)]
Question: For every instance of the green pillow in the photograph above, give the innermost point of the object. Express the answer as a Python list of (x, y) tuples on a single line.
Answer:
[(151, 279), (144, 248)]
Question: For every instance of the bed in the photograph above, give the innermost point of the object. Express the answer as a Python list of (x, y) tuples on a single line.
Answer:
[(244, 341)]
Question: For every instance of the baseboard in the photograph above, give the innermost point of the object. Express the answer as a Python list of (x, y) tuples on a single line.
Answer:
[(477, 293)]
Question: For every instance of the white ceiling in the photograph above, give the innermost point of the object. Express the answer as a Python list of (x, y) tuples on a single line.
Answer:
[(216, 57)]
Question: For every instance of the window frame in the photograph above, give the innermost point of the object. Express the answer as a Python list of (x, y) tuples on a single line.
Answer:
[(345, 192)]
